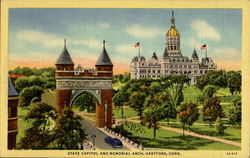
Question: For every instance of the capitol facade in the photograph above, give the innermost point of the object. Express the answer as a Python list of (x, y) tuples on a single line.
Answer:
[(172, 61)]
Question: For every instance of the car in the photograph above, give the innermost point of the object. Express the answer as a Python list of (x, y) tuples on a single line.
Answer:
[(114, 142)]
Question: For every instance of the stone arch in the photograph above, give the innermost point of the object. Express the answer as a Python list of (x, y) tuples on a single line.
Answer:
[(94, 93)]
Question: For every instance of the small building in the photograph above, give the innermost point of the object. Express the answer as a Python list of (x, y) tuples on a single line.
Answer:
[(12, 115)]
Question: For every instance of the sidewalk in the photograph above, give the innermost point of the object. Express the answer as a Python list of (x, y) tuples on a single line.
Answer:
[(127, 145)]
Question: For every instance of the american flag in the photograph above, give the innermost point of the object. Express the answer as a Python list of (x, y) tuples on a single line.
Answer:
[(204, 47), (137, 44)]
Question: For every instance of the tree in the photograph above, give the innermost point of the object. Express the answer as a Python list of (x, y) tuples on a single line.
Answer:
[(85, 102), (125, 78), (121, 98), (216, 78), (189, 113), (173, 86), (68, 130), (152, 114), (235, 112), (40, 134), (234, 83), (137, 90), (28, 93), (219, 126), (24, 71), (21, 83), (212, 109), (44, 77), (202, 81), (29, 81), (136, 101), (208, 92), (154, 109)]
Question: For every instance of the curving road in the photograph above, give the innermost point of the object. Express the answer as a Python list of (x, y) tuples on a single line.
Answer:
[(99, 141)]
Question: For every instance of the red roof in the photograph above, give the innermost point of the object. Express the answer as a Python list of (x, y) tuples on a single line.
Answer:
[(16, 75)]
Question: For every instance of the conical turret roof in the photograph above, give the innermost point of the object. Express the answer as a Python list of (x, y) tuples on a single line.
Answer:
[(165, 54), (154, 56), (11, 89), (104, 59), (194, 55), (64, 58)]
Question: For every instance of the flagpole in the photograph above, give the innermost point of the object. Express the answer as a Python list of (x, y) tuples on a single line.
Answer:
[(206, 51), (139, 49)]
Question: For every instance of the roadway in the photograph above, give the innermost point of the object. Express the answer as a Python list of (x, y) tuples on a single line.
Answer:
[(90, 129)]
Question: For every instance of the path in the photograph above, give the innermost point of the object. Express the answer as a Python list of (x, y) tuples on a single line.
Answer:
[(177, 130)]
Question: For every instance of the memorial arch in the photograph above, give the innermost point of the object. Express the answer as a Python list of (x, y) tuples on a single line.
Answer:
[(72, 82)]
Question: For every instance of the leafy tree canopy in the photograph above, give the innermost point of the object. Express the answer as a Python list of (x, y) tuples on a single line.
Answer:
[(189, 113), (212, 109), (234, 83), (85, 102), (28, 93), (235, 112), (68, 130), (40, 134)]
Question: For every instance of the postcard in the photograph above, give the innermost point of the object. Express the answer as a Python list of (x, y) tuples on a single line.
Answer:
[(124, 78)]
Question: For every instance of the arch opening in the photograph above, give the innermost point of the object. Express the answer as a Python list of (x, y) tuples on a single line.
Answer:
[(94, 95), (85, 101)]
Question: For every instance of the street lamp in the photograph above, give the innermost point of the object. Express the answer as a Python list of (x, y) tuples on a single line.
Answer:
[(106, 108), (93, 138)]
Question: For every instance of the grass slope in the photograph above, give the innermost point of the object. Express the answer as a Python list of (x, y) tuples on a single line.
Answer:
[(172, 140)]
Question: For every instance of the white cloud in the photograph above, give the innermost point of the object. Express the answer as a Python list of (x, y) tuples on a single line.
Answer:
[(205, 30), (192, 42), (227, 54), (92, 43), (142, 31), (104, 25), (47, 39)]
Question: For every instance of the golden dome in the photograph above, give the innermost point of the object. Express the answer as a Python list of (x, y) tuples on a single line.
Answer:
[(173, 32)]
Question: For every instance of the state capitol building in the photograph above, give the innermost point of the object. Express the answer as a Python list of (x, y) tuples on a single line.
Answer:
[(172, 61)]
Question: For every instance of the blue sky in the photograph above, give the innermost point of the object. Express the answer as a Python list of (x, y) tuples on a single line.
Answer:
[(36, 35)]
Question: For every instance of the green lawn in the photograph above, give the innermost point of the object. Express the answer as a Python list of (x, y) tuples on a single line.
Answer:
[(48, 97), (167, 139), (172, 140), (191, 93), (231, 133), (223, 92), (22, 125), (126, 112), (91, 115)]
